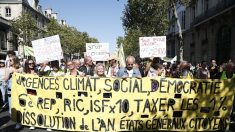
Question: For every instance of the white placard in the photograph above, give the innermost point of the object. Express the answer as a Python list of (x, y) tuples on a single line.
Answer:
[(47, 49), (98, 51), (152, 46)]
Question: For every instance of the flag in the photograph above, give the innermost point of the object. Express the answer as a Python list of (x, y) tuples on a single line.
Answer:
[(121, 56), (28, 51)]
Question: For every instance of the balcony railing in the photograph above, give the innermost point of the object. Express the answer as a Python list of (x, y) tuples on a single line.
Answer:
[(221, 6)]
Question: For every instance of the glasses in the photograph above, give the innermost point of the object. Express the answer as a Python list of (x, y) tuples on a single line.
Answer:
[(130, 64)]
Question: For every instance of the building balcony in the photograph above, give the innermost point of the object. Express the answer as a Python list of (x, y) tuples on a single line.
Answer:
[(214, 11)]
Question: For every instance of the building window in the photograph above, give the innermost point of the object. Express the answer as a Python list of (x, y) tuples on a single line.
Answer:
[(8, 12), (193, 12), (192, 58), (224, 44), (3, 43), (206, 5), (183, 19)]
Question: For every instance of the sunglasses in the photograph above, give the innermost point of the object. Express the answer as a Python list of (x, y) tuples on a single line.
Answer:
[(130, 64)]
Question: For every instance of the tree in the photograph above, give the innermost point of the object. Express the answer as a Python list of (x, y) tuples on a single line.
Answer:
[(25, 27), (143, 18), (150, 18), (72, 40), (181, 43), (130, 42)]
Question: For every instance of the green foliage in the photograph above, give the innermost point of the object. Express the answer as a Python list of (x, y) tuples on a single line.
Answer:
[(147, 18), (143, 18), (26, 28), (72, 41), (130, 42)]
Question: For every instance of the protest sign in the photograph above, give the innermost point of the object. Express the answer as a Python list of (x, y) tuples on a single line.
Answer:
[(47, 49), (152, 46), (98, 51), (111, 104)]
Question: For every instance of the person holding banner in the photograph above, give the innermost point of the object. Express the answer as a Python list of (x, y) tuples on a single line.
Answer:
[(30, 67), (203, 72), (14, 64), (77, 63), (88, 67), (214, 69), (185, 72), (100, 70), (151, 61), (174, 71), (72, 70), (129, 70), (56, 71), (229, 71), (44, 69), (113, 68), (156, 70)]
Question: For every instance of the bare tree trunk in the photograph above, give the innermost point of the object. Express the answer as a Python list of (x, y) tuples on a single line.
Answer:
[(181, 44)]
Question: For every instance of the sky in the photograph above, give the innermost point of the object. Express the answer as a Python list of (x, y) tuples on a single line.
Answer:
[(101, 19)]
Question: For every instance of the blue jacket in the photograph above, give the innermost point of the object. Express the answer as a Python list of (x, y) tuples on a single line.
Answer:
[(123, 72)]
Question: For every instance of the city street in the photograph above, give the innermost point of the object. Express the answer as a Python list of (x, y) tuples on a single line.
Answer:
[(6, 125)]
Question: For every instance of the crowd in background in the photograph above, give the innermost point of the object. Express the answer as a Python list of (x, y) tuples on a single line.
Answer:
[(151, 67)]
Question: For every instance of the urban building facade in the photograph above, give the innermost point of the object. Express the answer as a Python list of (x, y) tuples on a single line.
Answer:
[(13, 9), (208, 29), (4, 37)]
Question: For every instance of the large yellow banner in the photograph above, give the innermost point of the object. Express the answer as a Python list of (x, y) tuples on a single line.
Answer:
[(112, 104)]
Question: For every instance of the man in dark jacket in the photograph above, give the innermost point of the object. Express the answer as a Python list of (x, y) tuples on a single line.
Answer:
[(88, 67)]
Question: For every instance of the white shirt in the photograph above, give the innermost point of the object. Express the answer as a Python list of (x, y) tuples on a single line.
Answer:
[(2, 74), (130, 72), (152, 72), (109, 74), (47, 68)]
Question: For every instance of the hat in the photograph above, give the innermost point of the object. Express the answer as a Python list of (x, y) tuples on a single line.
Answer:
[(112, 57)]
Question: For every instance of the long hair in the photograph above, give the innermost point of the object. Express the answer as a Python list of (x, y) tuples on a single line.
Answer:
[(16, 61), (26, 67), (96, 71)]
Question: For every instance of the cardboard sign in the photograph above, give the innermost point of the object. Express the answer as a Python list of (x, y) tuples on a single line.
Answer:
[(152, 46), (47, 49), (98, 51), (112, 104)]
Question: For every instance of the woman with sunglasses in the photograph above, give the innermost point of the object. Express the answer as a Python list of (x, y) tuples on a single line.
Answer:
[(30, 67), (72, 70), (15, 67)]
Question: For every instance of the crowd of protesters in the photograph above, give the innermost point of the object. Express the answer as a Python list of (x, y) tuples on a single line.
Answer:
[(151, 67)]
